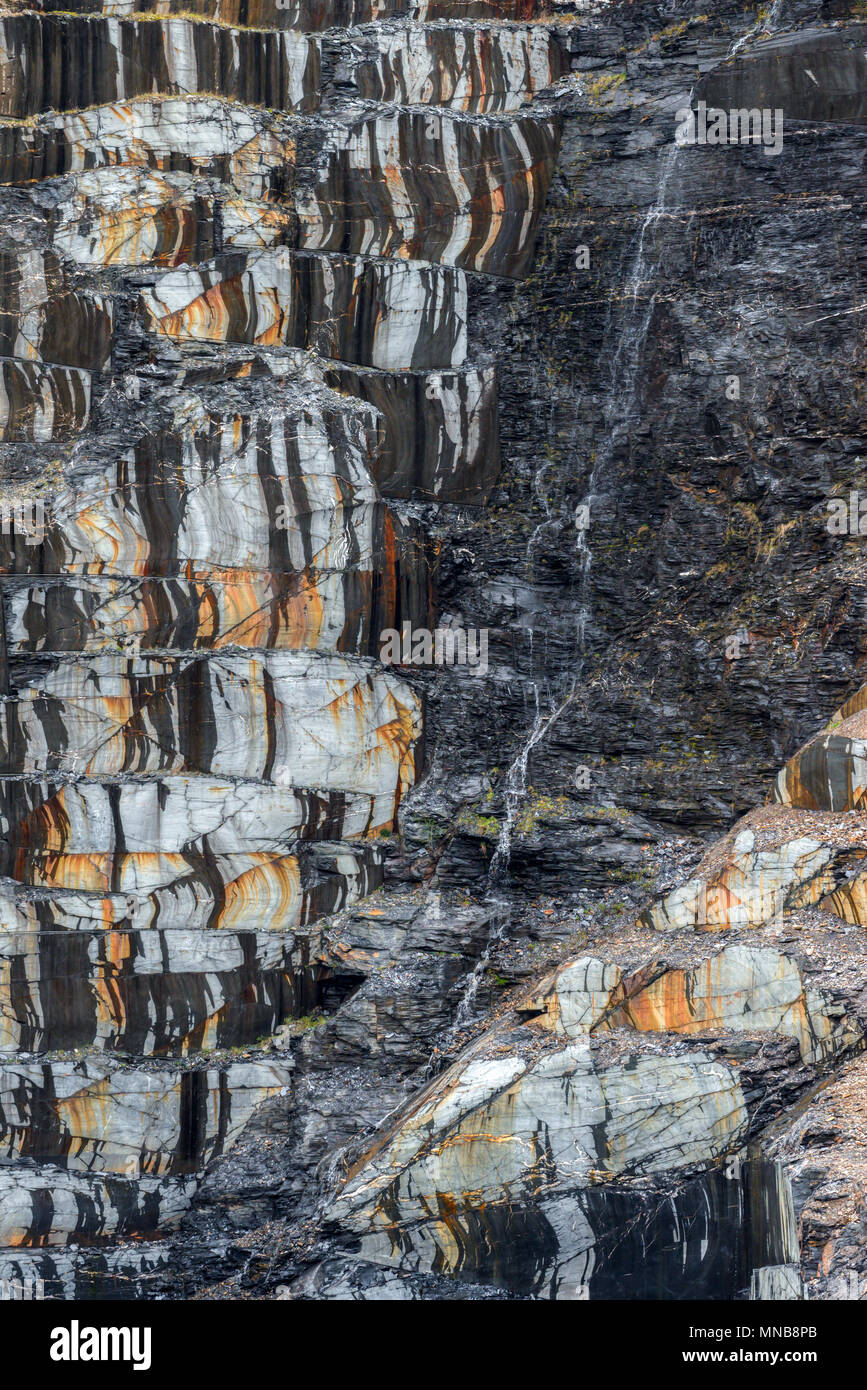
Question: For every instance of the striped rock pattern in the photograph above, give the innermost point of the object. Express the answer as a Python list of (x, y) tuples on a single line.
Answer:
[(443, 188), (742, 987), (380, 315), (100, 1117), (49, 1206), (519, 1143), (482, 69), (237, 307), (39, 402), (830, 774), (148, 992), (517, 1146), (803, 850), (64, 62)]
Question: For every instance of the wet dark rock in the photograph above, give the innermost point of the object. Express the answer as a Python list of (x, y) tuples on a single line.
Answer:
[(417, 981)]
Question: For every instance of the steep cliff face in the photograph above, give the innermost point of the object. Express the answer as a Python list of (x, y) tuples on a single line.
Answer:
[(346, 976)]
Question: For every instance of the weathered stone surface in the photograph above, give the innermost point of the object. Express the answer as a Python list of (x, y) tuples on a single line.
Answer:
[(96, 1117), (699, 1238), (308, 14), (574, 1000), (830, 774), (288, 719), (250, 150), (478, 69), (477, 1130), (150, 992), (773, 861), (441, 432), (121, 1273), (254, 891), (40, 402), (433, 188), (41, 319), (742, 987), (60, 62), (138, 836), (811, 76), (669, 615), (821, 1148), (336, 610), (375, 313), (49, 1206), (127, 216)]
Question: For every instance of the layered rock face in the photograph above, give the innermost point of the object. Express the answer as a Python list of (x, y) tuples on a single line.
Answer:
[(235, 354), (564, 1123), (324, 977)]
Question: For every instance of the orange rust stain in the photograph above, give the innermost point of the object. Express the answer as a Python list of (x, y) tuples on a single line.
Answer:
[(204, 317), (271, 889)]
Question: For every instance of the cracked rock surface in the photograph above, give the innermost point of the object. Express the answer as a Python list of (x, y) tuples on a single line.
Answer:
[(329, 977)]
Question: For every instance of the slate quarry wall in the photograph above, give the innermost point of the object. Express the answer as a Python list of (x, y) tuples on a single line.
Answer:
[(234, 338), (321, 320)]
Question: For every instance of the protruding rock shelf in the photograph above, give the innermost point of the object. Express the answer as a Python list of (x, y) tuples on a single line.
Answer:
[(59, 62), (150, 993)]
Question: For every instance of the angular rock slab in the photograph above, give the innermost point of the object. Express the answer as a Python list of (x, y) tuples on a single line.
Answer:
[(496, 1126), (285, 718), (699, 1238), (250, 150), (571, 1001), (830, 773), (85, 1274), (394, 316), (336, 611), (39, 402), (61, 62), (308, 15), (162, 992), (441, 438), (140, 836), (756, 989), (482, 70), (433, 187), (42, 320), (745, 886), (97, 1117), (48, 1206), (191, 891), (132, 217), (247, 489), (743, 987)]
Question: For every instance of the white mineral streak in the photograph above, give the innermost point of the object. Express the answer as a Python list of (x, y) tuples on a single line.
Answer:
[(111, 1120), (419, 311), (752, 888), (85, 1207), (227, 521), (165, 819), (205, 131), (478, 69), (40, 402), (328, 723), (477, 1135)]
